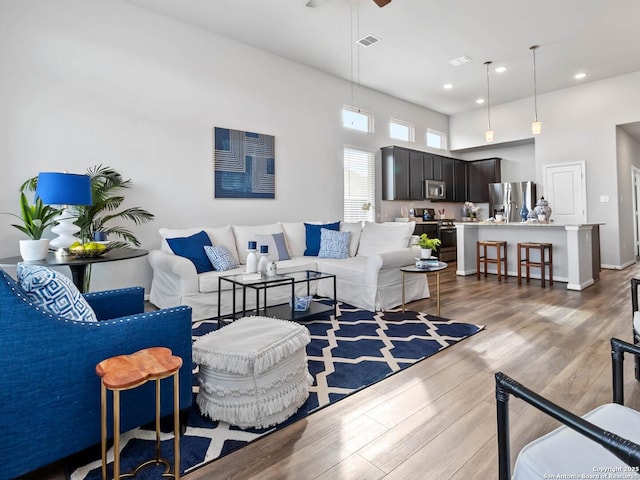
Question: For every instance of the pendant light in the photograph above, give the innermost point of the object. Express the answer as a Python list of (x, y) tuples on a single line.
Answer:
[(536, 126), (488, 134)]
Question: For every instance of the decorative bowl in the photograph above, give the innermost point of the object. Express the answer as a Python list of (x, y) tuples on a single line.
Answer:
[(89, 254), (301, 304)]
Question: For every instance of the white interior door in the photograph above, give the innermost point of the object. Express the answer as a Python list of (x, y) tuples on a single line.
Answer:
[(635, 178), (565, 189)]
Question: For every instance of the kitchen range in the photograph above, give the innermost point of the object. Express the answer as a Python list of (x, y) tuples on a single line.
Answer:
[(442, 228)]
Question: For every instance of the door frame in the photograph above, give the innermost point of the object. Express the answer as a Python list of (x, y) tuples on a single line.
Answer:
[(635, 194), (583, 183)]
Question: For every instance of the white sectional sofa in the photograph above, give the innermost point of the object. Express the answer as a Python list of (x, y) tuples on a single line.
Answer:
[(369, 278)]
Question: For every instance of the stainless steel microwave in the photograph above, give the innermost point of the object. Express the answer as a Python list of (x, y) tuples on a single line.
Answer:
[(434, 190)]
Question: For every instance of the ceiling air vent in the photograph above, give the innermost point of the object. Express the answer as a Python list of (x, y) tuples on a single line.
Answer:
[(460, 60), (368, 40)]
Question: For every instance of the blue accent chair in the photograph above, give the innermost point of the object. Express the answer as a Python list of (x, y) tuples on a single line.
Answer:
[(49, 390)]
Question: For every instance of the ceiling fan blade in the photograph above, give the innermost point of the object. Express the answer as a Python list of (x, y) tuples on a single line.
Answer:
[(382, 3)]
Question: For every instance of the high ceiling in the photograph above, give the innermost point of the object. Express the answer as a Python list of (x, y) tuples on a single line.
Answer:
[(418, 38)]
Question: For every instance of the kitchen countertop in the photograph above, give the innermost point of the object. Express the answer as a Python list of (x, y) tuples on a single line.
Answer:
[(514, 224), (526, 224), (429, 222)]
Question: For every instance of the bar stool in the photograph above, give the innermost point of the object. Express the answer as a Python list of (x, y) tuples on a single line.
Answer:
[(500, 258), (527, 262), (125, 372)]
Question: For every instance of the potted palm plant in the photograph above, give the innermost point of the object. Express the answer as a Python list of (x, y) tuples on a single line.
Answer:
[(96, 220), (35, 219), (427, 245)]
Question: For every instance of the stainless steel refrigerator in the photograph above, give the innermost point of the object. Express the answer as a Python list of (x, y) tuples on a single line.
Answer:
[(507, 198)]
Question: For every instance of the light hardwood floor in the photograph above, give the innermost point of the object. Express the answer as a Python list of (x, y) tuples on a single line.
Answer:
[(436, 419)]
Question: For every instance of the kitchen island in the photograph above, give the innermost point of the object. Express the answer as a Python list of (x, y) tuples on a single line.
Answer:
[(576, 248)]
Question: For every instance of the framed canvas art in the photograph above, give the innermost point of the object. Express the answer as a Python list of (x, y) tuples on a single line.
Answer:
[(244, 164)]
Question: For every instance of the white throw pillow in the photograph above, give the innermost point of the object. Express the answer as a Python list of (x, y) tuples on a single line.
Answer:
[(355, 228), (382, 237)]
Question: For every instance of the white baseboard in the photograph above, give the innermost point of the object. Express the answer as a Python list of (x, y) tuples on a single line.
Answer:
[(618, 267)]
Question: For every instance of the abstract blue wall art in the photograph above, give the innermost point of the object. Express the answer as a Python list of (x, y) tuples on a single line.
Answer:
[(244, 164)]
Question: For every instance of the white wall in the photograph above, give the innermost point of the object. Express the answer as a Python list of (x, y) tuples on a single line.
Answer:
[(89, 82), (579, 124)]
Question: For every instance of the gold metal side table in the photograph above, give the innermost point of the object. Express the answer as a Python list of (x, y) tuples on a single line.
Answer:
[(430, 269), (125, 372)]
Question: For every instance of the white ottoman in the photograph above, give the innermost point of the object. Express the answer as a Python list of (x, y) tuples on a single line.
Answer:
[(253, 372)]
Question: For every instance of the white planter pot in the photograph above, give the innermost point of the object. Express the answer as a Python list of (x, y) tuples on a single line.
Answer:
[(425, 253), (34, 249)]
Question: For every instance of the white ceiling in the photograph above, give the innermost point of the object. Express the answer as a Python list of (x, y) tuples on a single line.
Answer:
[(420, 37)]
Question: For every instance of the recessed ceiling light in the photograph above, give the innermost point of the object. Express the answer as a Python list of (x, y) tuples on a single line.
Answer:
[(579, 76), (480, 101), (500, 69), (447, 86)]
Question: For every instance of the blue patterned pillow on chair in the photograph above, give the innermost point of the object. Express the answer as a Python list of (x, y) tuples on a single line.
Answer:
[(54, 293), (221, 258)]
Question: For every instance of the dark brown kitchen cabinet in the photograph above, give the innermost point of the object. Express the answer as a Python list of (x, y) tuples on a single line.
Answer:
[(447, 177), (432, 166), (395, 173), (454, 176), (437, 168), (460, 181), (416, 175), (480, 173), (402, 174)]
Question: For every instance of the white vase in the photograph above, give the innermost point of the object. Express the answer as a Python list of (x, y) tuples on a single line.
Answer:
[(31, 250), (262, 263), (252, 261), (425, 252)]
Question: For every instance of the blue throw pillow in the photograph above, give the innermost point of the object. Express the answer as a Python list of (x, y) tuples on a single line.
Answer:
[(312, 232), (220, 258), (54, 293), (193, 248), (334, 244)]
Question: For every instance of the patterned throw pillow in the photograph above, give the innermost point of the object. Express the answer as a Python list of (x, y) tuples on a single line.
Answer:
[(221, 258), (54, 293), (334, 244), (277, 246)]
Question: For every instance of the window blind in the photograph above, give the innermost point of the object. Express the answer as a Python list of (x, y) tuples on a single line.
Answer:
[(359, 185)]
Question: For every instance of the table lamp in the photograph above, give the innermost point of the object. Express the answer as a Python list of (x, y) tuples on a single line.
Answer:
[(55, 188)]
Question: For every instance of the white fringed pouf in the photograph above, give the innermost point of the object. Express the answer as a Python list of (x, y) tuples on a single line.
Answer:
[(253, 372)]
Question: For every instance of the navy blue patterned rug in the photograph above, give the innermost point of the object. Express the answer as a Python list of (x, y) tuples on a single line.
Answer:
[(345, 355)]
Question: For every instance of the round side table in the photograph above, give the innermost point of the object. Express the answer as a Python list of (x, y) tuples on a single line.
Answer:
[(430, 269)]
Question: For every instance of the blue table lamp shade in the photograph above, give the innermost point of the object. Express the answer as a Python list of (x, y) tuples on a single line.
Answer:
[(64, 188), (55, 188)]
